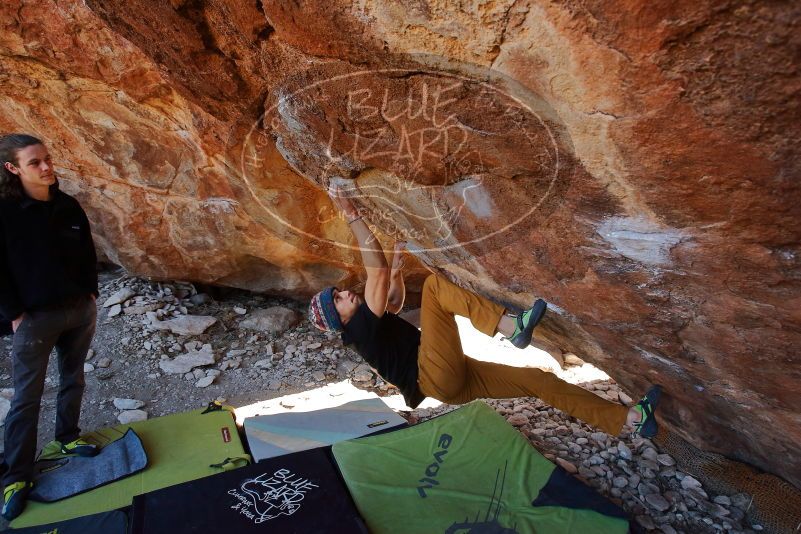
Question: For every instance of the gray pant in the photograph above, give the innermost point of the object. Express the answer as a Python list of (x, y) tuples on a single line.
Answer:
[(70, 330)]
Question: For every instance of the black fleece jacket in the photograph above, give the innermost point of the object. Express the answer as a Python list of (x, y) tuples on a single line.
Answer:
[(47, 256)]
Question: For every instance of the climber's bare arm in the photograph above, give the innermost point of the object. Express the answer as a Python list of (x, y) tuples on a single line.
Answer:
[(376, 289), (397, 289)]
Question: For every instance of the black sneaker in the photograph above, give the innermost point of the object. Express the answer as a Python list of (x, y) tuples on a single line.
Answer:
[(526, 322), (648, 427)]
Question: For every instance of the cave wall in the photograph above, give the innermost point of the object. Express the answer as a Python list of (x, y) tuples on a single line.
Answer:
[(635, 164)]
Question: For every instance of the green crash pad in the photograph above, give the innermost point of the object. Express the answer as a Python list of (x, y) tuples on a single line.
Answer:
[(179, 448), (467, 471)]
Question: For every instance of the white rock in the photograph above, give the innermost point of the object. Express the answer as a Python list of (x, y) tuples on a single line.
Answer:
[(115, 310), (314, 346), (132, 416), (142, 309), (722, 499), (600, 437), (148, 345), (620, 482), (240, 311), (689, 482), (7, 393), (186, 362), (623, 451), (649, 454), (186, 325), (204, 382), (104, 362), (273, 320), (657, 501), (665, 459), (120, 297), (5, 406), (264, 364), (624, 399), (127, 404), (599, 470), (88, 368)]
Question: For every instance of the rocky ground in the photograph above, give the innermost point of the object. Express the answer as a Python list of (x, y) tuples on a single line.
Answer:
[(162, 348)]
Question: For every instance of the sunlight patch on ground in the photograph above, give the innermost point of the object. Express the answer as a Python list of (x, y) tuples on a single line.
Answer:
[(329, 396), (475, 344), (499, 350)]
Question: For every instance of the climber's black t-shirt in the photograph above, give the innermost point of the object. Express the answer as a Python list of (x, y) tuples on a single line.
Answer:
[(390, 345)]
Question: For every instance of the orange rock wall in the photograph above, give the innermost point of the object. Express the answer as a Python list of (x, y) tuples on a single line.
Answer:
[(636, 164)]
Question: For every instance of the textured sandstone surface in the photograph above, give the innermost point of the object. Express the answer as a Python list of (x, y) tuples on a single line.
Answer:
[(634, 164)]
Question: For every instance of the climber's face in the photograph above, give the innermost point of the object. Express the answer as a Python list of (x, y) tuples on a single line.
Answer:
[(346, 302)]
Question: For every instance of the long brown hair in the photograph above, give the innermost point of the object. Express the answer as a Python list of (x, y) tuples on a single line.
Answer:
[(10, 184)]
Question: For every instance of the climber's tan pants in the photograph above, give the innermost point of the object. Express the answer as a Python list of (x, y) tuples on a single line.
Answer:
[(446, 374)]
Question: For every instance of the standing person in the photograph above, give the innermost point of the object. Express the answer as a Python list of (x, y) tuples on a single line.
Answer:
[(48, 287), (431, 363)]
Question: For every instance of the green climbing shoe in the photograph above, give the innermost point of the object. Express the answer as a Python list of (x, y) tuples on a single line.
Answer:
[(14, 498), (80, 447), (648, 427), (526, 322)]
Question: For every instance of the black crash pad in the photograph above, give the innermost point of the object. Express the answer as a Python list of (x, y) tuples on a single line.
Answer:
[(296, 493)]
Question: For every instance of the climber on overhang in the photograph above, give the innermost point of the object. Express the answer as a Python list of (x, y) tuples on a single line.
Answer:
[(430, 362)]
